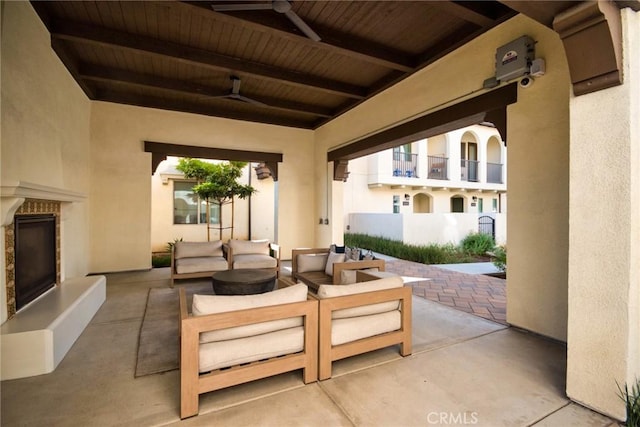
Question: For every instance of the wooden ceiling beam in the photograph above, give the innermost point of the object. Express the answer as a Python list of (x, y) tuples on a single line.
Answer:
[(195, 108), (90, 34), (331, 40), (110, 75), (463, 13)]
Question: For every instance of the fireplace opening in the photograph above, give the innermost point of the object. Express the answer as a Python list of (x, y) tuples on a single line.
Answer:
[(35, 256)]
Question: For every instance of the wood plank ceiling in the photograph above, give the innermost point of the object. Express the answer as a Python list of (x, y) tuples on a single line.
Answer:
[(183, 56)]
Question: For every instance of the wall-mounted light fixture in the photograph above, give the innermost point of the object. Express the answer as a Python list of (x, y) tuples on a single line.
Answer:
[(474, 198)]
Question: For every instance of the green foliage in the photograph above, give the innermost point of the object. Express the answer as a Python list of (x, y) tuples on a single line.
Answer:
[(161, 260), (171, 244), (431, 254), (499, 255), (217, 182), (477, 243), (631, 398)]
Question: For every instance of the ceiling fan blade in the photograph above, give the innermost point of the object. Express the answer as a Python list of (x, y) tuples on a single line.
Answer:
[(293, 17), (236, 85), (241, 6), (250, 101)]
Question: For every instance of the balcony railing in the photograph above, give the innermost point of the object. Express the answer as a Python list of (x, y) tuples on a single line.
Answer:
[(469, 170), (438, 167), (494, 173), (405, 164)]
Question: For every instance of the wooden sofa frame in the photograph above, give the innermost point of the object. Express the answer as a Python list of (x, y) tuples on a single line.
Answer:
[(329, 353), (192, 383), (314, 279)]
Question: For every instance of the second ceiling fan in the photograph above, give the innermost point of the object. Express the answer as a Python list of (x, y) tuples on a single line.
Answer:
[(280, 6)]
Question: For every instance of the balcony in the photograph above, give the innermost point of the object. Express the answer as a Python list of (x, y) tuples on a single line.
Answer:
[(438, 167), (469, 170), (405, 164), (494, 173)]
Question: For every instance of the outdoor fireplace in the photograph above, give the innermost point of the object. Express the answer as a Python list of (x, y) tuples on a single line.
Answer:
[(35, 256), (32, 249)]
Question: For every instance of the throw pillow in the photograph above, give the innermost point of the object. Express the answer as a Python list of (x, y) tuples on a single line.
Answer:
[(332, 259), (311, 262)]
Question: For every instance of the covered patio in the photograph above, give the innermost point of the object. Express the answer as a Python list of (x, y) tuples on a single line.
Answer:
[(464, 370), (73, 136)]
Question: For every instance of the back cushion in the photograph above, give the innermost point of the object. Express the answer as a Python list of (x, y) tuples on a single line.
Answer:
[(331, 291), (210, 304), (198, 249), (332, 259), (311, 262), (241, 247)]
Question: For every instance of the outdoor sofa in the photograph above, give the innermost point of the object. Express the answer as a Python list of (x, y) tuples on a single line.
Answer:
[(361, 317), (320, 266), (253, 254), (229, 340), (233, 339), (196, 259)]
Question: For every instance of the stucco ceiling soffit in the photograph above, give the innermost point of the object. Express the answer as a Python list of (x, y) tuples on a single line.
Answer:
[(592, 37)]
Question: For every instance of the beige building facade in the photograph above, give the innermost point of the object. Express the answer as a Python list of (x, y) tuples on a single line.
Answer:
[(574, 180)]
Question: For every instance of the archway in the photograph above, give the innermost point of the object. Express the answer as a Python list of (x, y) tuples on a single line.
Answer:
[(422, 203)]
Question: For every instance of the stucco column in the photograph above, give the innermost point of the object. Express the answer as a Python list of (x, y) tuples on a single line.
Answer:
[(604, 239)]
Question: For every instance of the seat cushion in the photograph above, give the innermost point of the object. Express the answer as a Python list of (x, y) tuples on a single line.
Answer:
[(201, 264), (223, 354), (210, 304), (254, 261), (331, 291), (198, 249), (355, 328), (240, 247)]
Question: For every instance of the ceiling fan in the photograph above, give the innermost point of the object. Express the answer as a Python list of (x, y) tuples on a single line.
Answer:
[(235, 94), (280, 6)]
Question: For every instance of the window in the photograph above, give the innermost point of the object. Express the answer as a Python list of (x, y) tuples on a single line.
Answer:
[(188, 208), (457, 204), (396, 204), (480, 205), (494, 205)]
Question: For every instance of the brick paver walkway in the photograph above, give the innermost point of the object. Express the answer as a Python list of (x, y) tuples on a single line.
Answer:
[(477, 294)]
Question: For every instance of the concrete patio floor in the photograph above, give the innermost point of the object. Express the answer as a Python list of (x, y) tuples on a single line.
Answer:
[(464, 370)]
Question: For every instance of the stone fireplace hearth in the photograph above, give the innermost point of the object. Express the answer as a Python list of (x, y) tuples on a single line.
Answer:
[(35, 338)]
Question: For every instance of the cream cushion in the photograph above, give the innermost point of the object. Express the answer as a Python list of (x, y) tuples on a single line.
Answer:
[(331, 291), (332, 259), (254, 261), (240, 247), (210, 304), (355, 328), (201, 264), (311, 262), (223, 354), (198, 249), (348, 277)]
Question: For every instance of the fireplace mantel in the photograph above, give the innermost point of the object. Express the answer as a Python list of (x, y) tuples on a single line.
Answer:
[(14, 194)]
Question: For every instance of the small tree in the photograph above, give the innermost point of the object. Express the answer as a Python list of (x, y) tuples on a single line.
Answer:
[(218, 183)]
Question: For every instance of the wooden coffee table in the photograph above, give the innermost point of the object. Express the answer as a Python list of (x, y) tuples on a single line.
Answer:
[(243, 281)]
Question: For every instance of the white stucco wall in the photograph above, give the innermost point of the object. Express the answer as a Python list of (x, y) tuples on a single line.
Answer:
[(45, 129), (537, 141), (121, 176), (604, 256)]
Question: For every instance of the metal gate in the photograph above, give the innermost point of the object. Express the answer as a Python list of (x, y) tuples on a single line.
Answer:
[(487, 225)]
